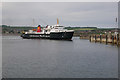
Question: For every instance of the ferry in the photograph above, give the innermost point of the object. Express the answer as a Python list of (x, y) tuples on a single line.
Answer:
[(56, 32)]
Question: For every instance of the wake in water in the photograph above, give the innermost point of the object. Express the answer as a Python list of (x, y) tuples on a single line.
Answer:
[(11, 37)]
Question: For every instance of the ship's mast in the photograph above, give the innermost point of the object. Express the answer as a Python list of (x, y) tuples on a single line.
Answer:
[(33, 22), (57, 21)]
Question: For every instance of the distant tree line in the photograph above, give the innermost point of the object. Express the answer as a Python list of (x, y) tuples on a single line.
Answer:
[(77, 30)]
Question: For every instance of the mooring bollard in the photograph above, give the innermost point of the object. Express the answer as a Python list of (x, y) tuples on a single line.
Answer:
[(106, 39), (100, 38), (117, 39), (95, 38), (112, 39), (90, 38)]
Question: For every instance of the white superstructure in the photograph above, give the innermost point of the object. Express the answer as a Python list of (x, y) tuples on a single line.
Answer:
[(49, 29)]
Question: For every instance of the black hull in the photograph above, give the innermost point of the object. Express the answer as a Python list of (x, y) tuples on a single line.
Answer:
[(54, 35)]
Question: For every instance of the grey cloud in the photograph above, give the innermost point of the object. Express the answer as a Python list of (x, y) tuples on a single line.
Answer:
[(70, 14)]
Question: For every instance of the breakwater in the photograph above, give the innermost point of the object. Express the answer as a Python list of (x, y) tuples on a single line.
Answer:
[(103, 38), (114, 39)]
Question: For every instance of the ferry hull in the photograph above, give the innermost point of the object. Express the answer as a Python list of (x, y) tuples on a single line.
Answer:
[(52, 35)]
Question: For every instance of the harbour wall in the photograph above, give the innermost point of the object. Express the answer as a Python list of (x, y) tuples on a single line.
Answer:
[(108, 38)]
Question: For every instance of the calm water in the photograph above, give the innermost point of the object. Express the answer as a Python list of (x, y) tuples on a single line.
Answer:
[(24, 58)]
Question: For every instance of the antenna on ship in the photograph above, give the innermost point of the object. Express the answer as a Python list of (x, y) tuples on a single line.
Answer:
[(57, 21), (116, 24), (33, 22)]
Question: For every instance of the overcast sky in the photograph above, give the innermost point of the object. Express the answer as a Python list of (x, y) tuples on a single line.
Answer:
[(100, 14)]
